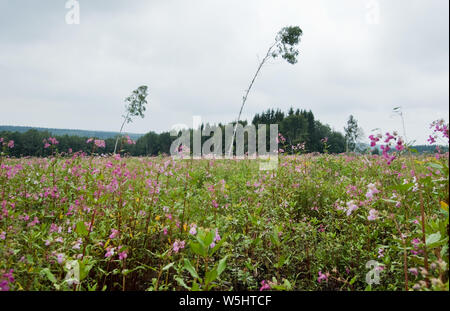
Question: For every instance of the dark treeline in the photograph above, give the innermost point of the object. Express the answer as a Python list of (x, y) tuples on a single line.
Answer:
[(70, 132), (298, 126)]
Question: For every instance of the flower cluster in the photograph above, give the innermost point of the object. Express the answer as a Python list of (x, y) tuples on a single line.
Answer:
[(193, 229), (373, 215), (10, 144), (177, 245), (129, 140), (372, 189), (97, 142), (51, 141), (439, 127), (265, 285), (6, 280), (323, 277), (388, 142), (216, 239)]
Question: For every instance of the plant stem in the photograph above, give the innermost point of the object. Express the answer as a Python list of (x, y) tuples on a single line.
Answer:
[(244, 99), (120, 132)]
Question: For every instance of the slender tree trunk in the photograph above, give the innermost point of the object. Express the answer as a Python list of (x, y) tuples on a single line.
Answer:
[(121, 128), (244, 99)]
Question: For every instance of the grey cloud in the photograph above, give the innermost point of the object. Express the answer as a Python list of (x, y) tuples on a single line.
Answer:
[(198, 57)]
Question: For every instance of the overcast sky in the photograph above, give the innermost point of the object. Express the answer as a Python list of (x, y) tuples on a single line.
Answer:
[(198, 57)]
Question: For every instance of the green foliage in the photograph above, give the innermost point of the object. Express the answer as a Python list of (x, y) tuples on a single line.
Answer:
[(136, 103), (282, 227), (286, 43)]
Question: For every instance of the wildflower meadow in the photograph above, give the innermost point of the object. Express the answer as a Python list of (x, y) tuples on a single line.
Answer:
[(339, 222)]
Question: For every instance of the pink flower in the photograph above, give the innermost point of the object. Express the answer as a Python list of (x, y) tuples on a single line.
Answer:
[(114, 233), (373, 215), (389, 137), (400, 145), (264, 285), (351, 206), (217, 237), (77, 244), (413, 271), (130, 141), (11, 144), (322, 277), (109, 252), (100, 143), (60, 258), (177, 245), (371, 191), (3, 235), (193, 230), (123, 255)]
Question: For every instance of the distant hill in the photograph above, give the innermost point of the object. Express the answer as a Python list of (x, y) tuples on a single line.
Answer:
[(61, 132)]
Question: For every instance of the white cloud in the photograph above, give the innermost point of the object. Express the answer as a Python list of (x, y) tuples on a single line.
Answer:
[(198, 57)]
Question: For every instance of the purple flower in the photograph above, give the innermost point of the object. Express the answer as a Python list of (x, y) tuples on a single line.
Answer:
[(109, 252), (264, 285), (351, 206), (322, 277), (373, 215), (100, 143), (177, 245), (114, 233), (123, 255), (413, 271), (193, 230), (60, 258)]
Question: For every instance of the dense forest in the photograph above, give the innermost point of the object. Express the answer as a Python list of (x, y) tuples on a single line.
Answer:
[(298, 127), (70, 132)]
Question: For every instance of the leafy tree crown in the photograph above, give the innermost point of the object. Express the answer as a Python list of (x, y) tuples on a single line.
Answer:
[(287, 40), (136, 103)]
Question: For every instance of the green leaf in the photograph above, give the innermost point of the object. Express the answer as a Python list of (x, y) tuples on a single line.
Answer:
[(222, 240), (81, 229), (209, 238), (168, 266), (222, 265), (181, 283), (210, 276), (353, 280), (188, 266), (49, 274), (287, 285), (433, 238), (435, 165), (195, 287), (197, 249)]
